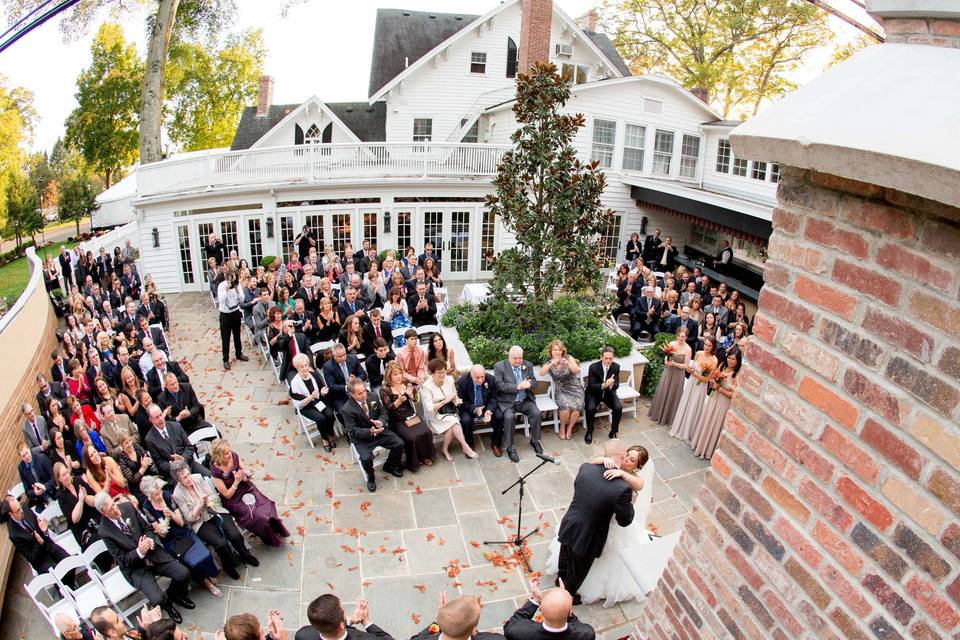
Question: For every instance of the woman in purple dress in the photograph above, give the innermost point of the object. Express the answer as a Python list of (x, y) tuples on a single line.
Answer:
[(251, 509)]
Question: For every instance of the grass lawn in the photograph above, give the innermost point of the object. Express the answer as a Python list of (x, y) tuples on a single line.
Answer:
[(14, 276)]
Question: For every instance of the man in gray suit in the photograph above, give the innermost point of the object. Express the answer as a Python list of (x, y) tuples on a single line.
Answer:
[(515, 382), (364, 290), (259, 314), (129, 255), (34, 428)]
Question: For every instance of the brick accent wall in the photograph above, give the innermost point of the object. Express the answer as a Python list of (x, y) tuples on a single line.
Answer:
[(831, 508), (939, 32), (536, 17)]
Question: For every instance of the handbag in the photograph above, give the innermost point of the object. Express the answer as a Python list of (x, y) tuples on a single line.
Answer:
[(412, 421), (448, 410), (181, 547)]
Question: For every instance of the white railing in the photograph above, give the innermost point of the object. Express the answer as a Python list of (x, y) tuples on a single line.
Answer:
[(311, 163), (116, 237)]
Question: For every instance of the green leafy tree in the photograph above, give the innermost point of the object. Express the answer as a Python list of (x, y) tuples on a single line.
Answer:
[(17, 116), (78, 199), (547, 197), (23, 207), (104, 124), (209, 88), (741, 52)]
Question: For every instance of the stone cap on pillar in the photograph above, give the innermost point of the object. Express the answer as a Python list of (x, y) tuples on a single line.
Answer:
[(914, 8)]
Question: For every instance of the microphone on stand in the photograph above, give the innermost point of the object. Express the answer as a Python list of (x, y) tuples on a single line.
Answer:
[(547, 458)]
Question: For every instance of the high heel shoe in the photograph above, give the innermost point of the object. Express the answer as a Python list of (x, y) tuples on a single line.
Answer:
[(446, 454), (470, 453)]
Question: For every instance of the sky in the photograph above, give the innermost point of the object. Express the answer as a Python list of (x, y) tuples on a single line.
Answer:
[(321, 47)]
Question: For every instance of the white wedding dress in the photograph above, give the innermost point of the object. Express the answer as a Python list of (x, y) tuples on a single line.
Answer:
[(609, 579)]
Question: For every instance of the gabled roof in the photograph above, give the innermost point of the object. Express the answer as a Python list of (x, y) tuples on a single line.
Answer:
[(606, 46), (403, 37), (367, 122), (251, 128)]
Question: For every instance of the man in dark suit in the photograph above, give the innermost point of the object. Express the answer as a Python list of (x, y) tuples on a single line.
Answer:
[(47, 390), (603, 378), (674, 323), (365, 421), (628, 292), (646, 315), (290, 343), (166, 442), (428, 252), (304, 321), (650, 245), (376, 328), (30, 536), (183, 404), (350, 305), (514, 382), (457, 620), (422, 306), (478, 391), (66, 268), (583, 530), (58, 368), (376, 363), (559, 621), (308, 293), (724, 258), (154, 333), (34, 428), (161, 367), (337, 372), (36, 474), (141, 557), (123, 362), (328, 622)]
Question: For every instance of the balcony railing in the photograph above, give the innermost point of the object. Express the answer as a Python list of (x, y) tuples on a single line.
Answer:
[(314, 163)]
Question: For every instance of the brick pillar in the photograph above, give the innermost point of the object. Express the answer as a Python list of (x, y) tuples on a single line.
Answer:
[(831, 508), (536, 18), (265, 95), (942, 32)]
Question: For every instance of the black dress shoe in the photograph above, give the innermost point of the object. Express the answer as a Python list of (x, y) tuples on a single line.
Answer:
[(537, 447), (171, 611), (576, 599), (512, 454), (588, 438), (250, 560), (372, 486), (183, 601), (226, 366), (396, 473), (232, 572), (613, 434), (328, 448), (243, 358)]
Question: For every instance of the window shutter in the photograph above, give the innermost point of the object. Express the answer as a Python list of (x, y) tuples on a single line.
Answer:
[(327, 136), (297, 134)]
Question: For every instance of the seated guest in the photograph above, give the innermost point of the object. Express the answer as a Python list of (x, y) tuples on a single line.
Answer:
[(134, 463), (111, 626), (329, 321), (352, 336), (396, 312), (308, 390), (161, 367), (86, 437), (328, 622), (628, 292), (251, 509), (167, 442), (438, 349), (75, 499), (124, 362), (337, 372), (365, 421), (478, 407), (567, 388), (645, 317), (669, 306), (423, 307), (397, 396), (34, 428), (30, 536), (113, 427), (376, 328), (603, 378), (141, 557), (61, 451), (514, 382), (717, 308), (36, 475), (440, 402), (77, 384), (304, 321), (177, 538), (71, 629), (78, 411), (412, 359), (154, 333), (245, 626), (182, 403), (103, 474), (559, 621), (202, 511), (47, 390), (457, 620), (146, 360), (351, 304), (376, 362), (258, 314)]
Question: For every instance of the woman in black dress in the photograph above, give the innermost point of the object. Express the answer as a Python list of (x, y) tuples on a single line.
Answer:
[(634, 247), (134, 464), (76, 502), (397, 396)]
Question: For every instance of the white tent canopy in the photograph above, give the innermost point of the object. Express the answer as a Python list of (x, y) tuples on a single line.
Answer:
[(116, 203)]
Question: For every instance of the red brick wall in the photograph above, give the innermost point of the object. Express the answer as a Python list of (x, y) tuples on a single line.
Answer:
[(535, 19), (938, 32), (831, 509)]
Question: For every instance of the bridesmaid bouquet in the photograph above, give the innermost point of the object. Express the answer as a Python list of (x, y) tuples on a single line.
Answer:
[(669, 349), (708, 373)]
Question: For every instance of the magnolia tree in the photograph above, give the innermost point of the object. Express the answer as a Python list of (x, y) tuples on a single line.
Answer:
[(548, 198)]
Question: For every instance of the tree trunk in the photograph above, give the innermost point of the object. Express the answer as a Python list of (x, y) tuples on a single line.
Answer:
[(151, 98), (106, 179), (76, 220)]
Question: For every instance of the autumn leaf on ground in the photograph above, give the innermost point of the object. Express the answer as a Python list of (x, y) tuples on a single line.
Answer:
[(267, 477), (365, 584), (365, 506), (352, 569), (398, 550), (419, 491), (347, 548), (415, 617), (290, 558), (453, 568), (441, 542), (430, 536), (328, 492), (420, 587), (336, 504), (301, 531), (474, 544)]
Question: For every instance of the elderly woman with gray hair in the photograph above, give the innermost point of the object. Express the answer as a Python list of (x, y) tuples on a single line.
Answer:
[(201, 509), (178, 538)]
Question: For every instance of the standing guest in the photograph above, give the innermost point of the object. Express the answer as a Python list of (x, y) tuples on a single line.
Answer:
[(397, 396), (337, 372), (723, 384), (215, 249), (603, 378), (515, 381), (423, 307), (66, 267), (568, 391), (665, 256), (51, 277), (634, 247), (409, 261), (412, 358), (128, 255), (650, 245), (438, 349), (328, 622), (351, 304), (670, 387), (376, 363), (694, 396), (720, 312), (365, 421), (30, 536), (305, 241), (559, 622), (440, 401), (724, 258), (36, 476), (308, 390), (478, 407), (249, 507), (229, 296), (77, 504)]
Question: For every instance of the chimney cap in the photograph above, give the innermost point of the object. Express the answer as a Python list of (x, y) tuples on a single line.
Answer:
[(914, 8)]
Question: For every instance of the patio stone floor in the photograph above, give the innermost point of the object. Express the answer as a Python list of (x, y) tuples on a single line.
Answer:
[(400, 546)]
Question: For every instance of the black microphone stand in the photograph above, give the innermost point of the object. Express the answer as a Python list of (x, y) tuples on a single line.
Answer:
[(519, 540)]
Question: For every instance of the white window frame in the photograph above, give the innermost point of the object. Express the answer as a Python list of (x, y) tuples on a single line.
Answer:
[(422, 137), (758, 170), (688, 170), (310, 139), (575, 70), (740, 165), (724, 156), (478, 58), (603, 151), (639, 150), (775, 173), (661, 153)]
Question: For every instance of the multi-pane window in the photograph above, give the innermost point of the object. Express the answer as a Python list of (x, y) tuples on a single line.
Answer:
[(459, 240), (341, 231), (488, 230), (774, 173), (315, 222), (404, 231), (633, 147), (511, 58), (689, 156), (433, 228), (422, 129), (610, 240), (705, 239), (573, 73), (287, 235), (740, 167), (759, 171), (473, 133), (370, 227), (478, 62), (313, 135), (604, 139), (228, 233), (186, 259), (724, 153), (204, 229), (256, 241), (662, 152)]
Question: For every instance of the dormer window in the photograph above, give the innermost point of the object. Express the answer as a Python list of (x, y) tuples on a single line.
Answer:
[(478, 62), (313, 135), (573, 73)]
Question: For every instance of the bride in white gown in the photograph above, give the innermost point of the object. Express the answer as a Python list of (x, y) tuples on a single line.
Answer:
[(609, 579)]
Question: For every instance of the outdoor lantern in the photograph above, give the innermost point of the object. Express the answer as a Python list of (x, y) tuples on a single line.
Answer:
[(156, 238), (643, 225), (386, 221), (270, 226)]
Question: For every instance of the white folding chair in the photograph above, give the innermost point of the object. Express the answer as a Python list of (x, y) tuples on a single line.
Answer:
[(85, 598), (379, 457), (16, 491), (629, 397), (46, 583), (113, 582), (320, 347), (543, 395), (425, 332), (67, 541), (52, 513), (307, 426), (200, 441)]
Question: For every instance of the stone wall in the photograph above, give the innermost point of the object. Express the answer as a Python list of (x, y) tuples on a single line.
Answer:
[(831, 509)]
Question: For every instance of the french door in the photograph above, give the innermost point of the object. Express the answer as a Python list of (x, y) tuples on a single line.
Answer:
[(448, 230)]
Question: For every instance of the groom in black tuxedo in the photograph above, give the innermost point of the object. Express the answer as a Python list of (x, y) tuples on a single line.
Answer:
[(583, 530)]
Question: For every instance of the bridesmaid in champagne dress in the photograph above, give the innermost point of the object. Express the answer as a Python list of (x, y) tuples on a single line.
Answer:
[(670, 388), (694, 391), (708, 432)]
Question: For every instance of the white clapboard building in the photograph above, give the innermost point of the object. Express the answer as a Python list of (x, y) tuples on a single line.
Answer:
[(413, 161)]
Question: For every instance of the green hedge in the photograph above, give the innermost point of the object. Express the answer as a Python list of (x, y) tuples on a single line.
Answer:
[(16, 253), (490, 329), (266, 261), (654, 369)]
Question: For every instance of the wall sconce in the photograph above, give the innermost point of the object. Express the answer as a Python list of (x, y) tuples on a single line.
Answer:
[(270, 227), (386, 221), (156, 238), (643, 225)]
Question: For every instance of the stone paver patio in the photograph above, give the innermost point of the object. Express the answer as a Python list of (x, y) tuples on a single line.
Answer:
[(400, 546)]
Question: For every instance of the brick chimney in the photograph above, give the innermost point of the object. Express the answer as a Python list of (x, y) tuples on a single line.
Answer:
[(701, 93), (588, 21), (264, 96), (918, 23), (535, 20)]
